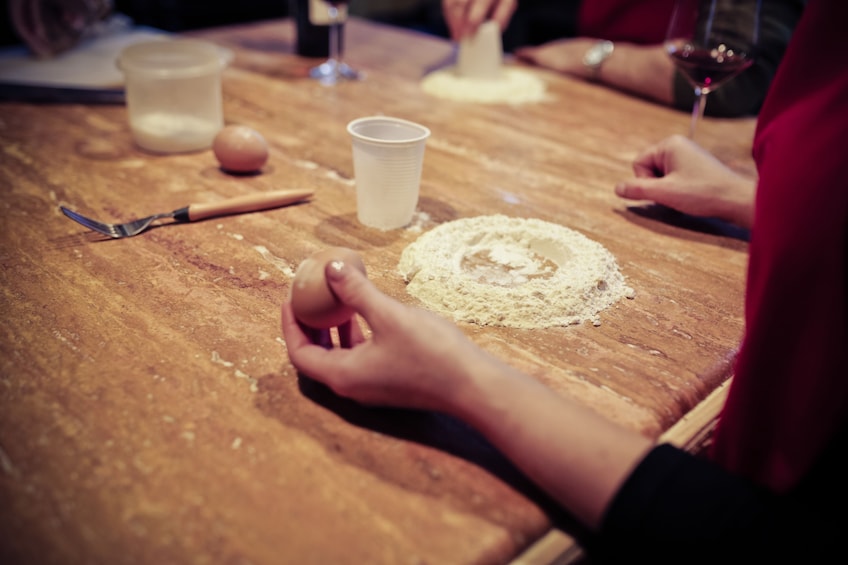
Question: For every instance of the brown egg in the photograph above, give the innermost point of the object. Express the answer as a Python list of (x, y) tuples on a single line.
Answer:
[(240, 149), (313, 303)]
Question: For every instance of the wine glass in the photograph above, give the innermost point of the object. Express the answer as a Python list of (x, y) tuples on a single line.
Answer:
[(334, 70), (710, 42)]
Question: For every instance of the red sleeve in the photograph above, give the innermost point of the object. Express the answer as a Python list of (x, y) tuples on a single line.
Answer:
[(790, 391), (637, 21)]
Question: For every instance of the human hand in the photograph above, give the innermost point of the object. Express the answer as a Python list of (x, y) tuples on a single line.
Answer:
[(49, 28), (414, 359), (463, 17), (682, 175)]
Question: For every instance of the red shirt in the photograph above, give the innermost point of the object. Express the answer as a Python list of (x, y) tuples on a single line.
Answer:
[(790, 391), (635, 21)]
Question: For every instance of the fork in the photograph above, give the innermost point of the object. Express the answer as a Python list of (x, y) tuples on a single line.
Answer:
[(195, 212)]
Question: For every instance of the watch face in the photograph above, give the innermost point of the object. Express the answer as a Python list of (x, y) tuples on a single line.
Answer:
[(598, 53), (593, 56)]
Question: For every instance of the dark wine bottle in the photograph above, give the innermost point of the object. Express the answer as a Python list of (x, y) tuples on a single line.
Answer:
[(312, 40)]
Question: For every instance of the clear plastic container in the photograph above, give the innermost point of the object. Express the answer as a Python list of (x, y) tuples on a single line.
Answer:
[(173, 93), (388, 158)]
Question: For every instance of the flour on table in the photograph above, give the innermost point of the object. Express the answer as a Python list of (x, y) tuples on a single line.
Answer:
[(513, 272), (515, 86)]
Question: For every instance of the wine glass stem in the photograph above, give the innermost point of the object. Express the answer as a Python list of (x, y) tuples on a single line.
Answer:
[(335, 31), (697, 110)]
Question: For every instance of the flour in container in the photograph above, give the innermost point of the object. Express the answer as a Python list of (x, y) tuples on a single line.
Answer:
[(514, 86), (513, 272)]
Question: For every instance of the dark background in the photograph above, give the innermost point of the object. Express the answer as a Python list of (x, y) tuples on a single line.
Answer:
[(536, 21)]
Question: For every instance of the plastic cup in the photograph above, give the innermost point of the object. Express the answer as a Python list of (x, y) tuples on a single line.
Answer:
[(173, 93), (481, 56), (388, 155)]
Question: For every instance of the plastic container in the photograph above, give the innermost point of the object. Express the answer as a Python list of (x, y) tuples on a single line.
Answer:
[(481, 56), (388, 157), (173, 93)]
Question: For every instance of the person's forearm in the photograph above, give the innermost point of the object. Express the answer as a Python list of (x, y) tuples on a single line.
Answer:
[(575, 455), (737, 203), (646, 71)]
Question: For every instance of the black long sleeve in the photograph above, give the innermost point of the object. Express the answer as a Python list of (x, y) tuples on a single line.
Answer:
[(678, 508)]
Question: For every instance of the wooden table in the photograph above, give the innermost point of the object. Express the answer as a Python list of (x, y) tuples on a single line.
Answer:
[(148, 410)]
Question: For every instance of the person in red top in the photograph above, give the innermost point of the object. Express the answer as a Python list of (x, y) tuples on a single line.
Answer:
[(802, 123), (619, 43), (796, 300), (773, 486)]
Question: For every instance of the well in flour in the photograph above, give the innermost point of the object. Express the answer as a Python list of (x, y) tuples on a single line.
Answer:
[(514, 272), (514, 86)]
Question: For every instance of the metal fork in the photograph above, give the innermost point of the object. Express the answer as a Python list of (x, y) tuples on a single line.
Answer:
[(195, 212)]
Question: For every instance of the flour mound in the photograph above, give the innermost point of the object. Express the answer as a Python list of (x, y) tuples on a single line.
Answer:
[(515, 86), (513, 272)]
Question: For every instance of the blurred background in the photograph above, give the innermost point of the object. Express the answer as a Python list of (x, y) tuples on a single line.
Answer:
[(177, 15), (181, 15), (536, 21)]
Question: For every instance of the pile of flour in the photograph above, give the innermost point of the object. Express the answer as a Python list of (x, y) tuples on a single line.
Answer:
[(513, 272), (514, 86)]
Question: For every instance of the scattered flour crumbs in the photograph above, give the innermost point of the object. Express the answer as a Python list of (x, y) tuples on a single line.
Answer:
[(515, 86), (514, 272)]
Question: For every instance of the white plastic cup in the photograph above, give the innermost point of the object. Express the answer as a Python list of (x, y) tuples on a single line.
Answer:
[(173, 93), (388, 156), (481, 56)]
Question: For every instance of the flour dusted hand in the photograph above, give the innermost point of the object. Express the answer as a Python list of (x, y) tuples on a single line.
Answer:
[(463, 17)]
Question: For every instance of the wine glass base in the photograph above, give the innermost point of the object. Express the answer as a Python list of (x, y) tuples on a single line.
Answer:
[(349, 72), (331, 72)]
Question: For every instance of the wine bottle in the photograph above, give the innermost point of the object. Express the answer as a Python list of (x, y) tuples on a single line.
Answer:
[(313, 39)]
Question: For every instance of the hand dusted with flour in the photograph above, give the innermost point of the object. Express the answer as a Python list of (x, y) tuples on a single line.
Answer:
[(513, 272)]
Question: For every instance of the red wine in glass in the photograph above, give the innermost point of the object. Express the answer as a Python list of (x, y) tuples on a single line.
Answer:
[(710, 42), (708, 69)]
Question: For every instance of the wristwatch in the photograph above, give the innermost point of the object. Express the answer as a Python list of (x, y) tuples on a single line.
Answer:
[(596, 55)]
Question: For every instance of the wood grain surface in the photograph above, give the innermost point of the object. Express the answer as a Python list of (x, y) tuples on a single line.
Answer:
[(148, 410)]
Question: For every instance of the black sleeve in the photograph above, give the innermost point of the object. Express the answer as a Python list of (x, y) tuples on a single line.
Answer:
[(744, 94), (677, 508)]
